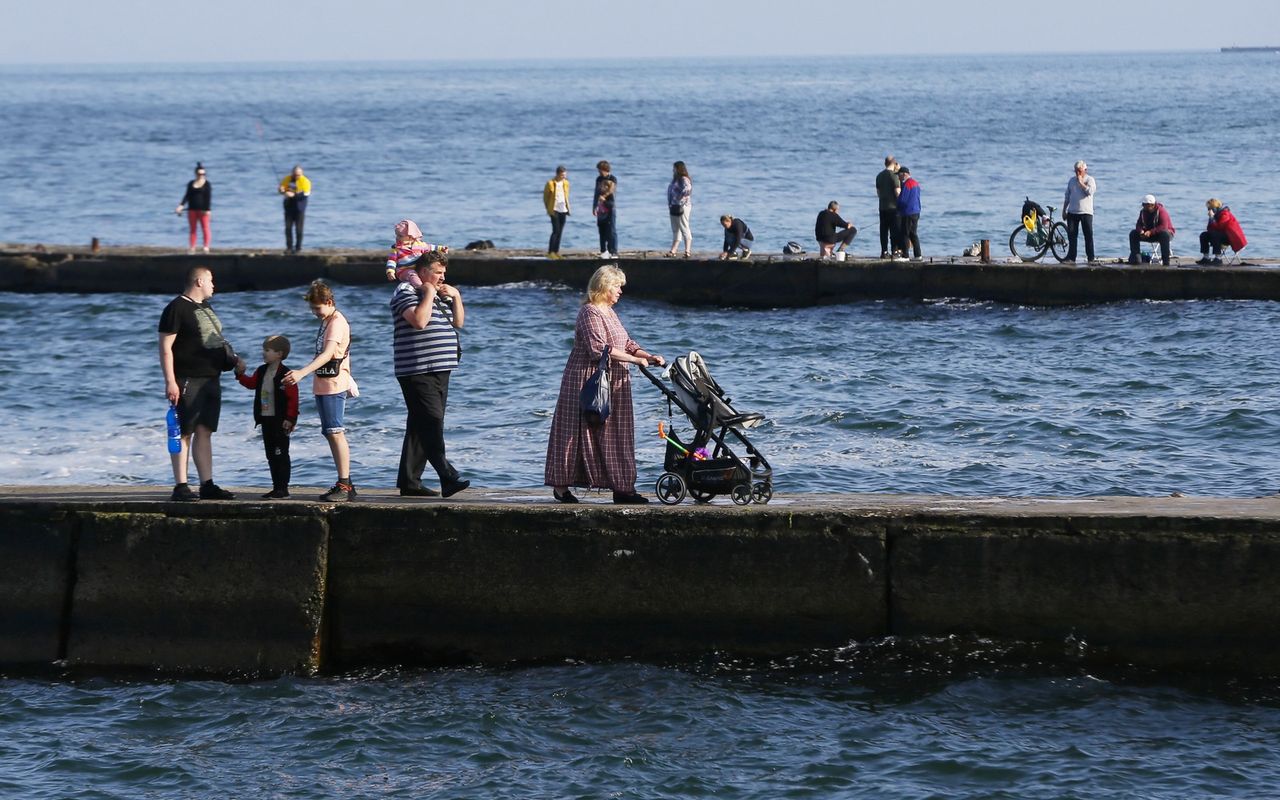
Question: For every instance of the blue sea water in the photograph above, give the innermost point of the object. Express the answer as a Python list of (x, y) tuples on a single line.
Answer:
[(466, 148), (946, 397)]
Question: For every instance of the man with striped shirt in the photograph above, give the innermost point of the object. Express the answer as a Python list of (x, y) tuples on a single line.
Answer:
[(426, 352)]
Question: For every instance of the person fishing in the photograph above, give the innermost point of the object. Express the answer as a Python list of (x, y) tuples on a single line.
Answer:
[(296, 188)]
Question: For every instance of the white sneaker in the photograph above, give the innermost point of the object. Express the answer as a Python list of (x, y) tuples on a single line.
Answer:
[(206, 249), (605, 254), (900, 258)]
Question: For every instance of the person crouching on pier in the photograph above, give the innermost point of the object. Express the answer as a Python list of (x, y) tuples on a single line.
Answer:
[(1223, 229), (738, 240), (332, 384), (1153, 225), (599, 456), (275, 409), (825, 230)]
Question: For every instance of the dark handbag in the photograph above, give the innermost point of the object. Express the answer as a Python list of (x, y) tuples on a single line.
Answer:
[(447, 311), (330, 369), (229, 357), (594, 399), (676, 209)]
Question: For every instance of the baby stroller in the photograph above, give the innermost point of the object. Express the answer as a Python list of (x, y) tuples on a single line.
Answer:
[(689, 466)]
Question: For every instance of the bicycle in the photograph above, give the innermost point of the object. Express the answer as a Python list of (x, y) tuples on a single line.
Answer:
[(1031, 245)]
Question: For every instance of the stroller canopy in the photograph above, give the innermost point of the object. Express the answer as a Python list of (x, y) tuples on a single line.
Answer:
[(696, 389)]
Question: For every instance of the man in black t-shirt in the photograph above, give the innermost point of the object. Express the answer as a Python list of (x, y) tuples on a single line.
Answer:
[(193, 356), (825, 230)]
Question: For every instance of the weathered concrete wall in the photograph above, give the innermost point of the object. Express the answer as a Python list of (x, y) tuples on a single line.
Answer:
[(763, 282), (133, 581), (495, 584), (36, 548)]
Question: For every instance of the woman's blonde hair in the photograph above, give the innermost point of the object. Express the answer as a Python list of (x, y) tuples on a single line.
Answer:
[(605, 280), (319, 294), (1214, 204)]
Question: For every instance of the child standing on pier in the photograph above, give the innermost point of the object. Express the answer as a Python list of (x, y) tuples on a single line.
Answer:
[(275, 408), (409, 247)]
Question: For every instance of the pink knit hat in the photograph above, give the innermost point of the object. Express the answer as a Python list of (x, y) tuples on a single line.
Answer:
[(406, 229)]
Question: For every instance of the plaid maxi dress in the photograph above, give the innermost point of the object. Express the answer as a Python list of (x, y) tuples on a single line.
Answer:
[(578, 454)]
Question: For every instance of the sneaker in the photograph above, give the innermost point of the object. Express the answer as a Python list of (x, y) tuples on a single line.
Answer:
[(206, 248), (212, 491), (884, 255), (340, 493), (1217, 262), (605, 254), (1133, 261), (419, 491), (629, 498), (450, 489), (191, 251), (276, 494), (746, 254), (900, 258), (917, 258), (1204, 260), (182, 494)]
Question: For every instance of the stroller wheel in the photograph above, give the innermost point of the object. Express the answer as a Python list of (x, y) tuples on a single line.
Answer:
[(700, 496), (670, 488), (742, 494), (762, 492)]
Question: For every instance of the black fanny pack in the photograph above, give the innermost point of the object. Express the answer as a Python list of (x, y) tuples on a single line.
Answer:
[(676, 209), (329, 370)]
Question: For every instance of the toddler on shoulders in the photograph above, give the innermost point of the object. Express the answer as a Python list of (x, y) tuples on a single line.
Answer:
[(405, 253)]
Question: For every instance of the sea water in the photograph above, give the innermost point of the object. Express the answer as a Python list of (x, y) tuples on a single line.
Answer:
[(945, 397)]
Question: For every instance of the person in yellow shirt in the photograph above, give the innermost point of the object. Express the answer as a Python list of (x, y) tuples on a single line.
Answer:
[(555, 196), (296, 188)]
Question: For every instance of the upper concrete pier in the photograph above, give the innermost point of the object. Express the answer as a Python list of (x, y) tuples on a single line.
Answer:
[(121, 578), (761, 282)]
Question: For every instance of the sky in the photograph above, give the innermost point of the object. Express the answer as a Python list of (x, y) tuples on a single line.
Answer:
[(173, 31)]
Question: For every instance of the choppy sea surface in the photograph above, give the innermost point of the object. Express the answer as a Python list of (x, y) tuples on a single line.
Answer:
[(945, 397)]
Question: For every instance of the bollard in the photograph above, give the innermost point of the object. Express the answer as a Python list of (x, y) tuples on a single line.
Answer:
[(985, 255), (94, 247)]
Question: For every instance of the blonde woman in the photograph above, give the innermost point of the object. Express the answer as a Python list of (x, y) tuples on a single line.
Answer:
[(604, 456)]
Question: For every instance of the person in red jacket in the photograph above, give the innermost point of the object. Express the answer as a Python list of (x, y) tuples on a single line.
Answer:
[(275, 408), (1153, 225), (1223, 229)]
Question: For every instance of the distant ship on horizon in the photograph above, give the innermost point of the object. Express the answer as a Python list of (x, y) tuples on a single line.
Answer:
[(1274, 49)]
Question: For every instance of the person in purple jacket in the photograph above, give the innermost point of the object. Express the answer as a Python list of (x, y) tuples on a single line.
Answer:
[(909, 214)]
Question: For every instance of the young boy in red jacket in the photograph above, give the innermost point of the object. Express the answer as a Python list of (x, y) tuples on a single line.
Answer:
[(275, 408)]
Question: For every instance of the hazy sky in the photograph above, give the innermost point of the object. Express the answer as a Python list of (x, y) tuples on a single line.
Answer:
[(79, 31)]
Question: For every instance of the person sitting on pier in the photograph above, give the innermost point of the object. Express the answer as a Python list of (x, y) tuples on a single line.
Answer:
[(1153, 225), (831, 229), (1223, 229), (737, 236)]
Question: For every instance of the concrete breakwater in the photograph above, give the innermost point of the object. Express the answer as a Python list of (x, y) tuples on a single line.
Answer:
[(762, 282), (120, 578)]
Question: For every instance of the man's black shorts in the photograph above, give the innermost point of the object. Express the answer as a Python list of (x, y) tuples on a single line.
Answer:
[(200, 403)]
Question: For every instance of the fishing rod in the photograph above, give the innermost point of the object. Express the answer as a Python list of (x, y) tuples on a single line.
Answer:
[(266, 145)]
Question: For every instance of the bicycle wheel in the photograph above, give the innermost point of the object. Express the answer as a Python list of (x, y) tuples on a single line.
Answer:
[(1058, 241), (1019, 247)]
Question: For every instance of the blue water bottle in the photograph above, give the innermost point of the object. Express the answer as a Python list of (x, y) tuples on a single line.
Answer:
[(175, 430)]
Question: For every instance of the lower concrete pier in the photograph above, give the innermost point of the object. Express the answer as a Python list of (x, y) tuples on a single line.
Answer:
[(760, 282), (103, 578)]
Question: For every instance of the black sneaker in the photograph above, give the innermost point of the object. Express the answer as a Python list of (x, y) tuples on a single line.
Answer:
[(340, 493), (1217, 262), (1204, 261), (182, 494), (212, 491), (276, 494), (419, 491), (453, 488)]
